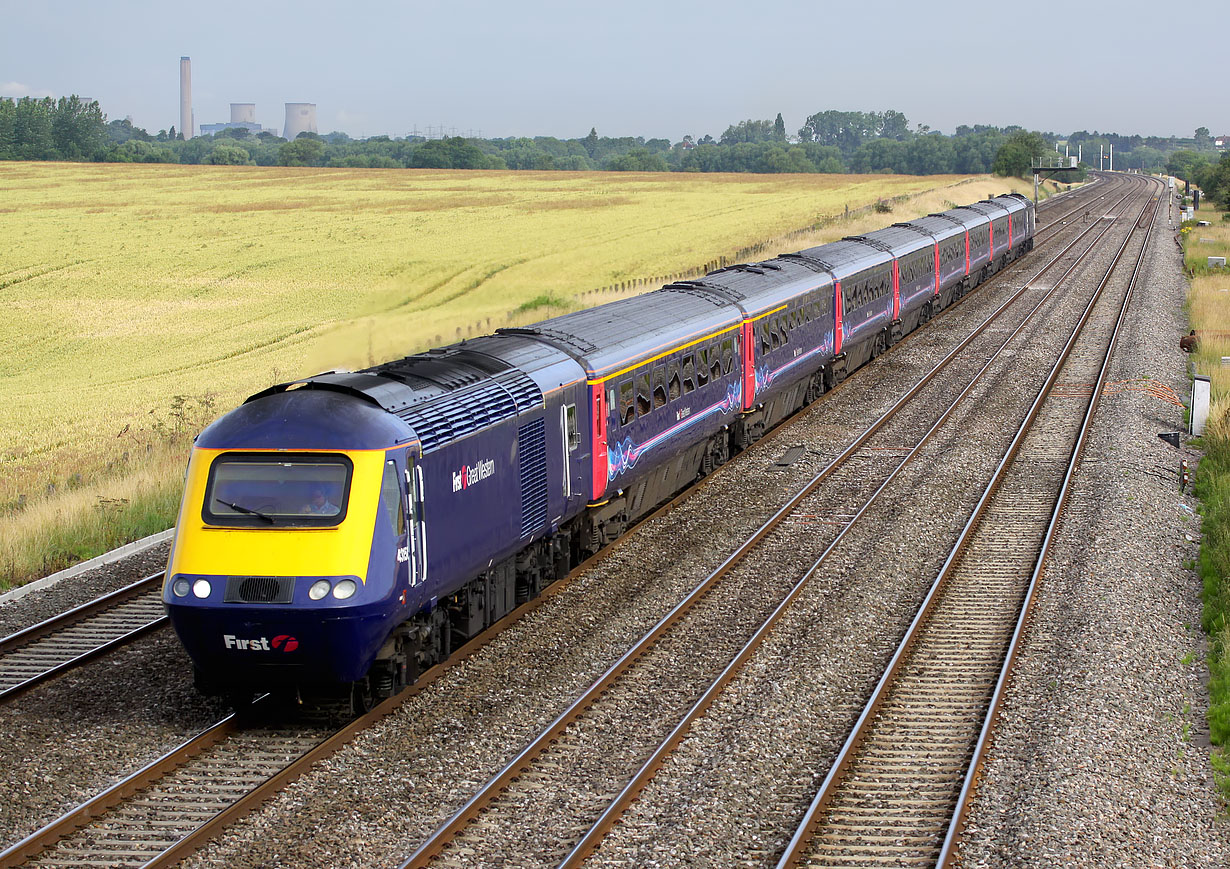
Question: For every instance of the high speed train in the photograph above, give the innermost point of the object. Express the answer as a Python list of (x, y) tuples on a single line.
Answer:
[(350, 529)]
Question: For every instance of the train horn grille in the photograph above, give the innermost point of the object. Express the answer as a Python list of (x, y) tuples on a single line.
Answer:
[(259, 589)]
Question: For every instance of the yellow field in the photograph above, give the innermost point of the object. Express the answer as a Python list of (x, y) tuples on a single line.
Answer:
[(141, 300)]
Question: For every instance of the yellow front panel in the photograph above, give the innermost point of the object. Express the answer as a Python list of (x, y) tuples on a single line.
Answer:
[(339, 551)]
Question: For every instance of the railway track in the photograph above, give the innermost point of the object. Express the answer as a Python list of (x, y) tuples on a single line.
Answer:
[(900, 787), (142, 853), (50, 648), (480, 830)]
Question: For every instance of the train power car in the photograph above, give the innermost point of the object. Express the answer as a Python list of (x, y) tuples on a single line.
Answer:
[(350, 529)]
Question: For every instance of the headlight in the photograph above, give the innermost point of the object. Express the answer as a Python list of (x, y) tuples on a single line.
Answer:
[(201, 588), (344, 589), (319, 589), (181, 587)]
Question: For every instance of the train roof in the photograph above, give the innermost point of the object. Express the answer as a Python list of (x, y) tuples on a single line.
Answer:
[(846, 257), (618, 334), (758, 287), (299, 419), (937, 225), (441, 395), (993, 210), (967, 216), (1011, 201), (900, 240)]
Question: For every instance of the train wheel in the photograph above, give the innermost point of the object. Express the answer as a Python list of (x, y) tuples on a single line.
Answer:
[(362, 698)]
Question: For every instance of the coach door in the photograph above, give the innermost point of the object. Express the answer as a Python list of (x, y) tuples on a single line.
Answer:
[(570, 439), (417, 531)]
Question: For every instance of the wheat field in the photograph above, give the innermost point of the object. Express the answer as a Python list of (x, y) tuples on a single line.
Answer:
[(142, 300), (1208, 304)]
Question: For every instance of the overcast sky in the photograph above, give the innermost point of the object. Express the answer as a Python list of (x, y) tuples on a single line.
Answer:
[(654, 68)]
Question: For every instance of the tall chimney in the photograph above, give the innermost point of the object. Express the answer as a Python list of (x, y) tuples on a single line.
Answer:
[(185, 97)]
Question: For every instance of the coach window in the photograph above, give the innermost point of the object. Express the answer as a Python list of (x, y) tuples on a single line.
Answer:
[(570, 426), (659, 386), (689, 373), (775, 338), (765, 347), (674, 387), (627, 403), (728, 355), (643, 403), (715, 362), (702, 369)]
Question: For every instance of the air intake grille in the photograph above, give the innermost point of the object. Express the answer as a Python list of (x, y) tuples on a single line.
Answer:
[(456, 414), (259, 589), (532, 450)]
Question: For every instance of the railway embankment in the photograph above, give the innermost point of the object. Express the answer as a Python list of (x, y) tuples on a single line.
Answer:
[(1208, 307)]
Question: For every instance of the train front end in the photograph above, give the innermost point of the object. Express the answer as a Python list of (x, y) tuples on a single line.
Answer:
[(289, 566)]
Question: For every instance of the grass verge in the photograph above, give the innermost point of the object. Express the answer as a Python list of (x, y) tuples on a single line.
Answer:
[(1208, 307)]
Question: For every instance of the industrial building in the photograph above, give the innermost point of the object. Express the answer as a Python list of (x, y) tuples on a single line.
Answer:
[(243, 115), (300, 117)]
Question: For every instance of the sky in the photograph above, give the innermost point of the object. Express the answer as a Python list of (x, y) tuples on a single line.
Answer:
[(652, 68)]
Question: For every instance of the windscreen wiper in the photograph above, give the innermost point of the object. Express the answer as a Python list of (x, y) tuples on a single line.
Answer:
[(247, 510)]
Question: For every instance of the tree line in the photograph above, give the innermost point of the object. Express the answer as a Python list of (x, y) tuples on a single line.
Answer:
[(828, 142), (1209, 172)]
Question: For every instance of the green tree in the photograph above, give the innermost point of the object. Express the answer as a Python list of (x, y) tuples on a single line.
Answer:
[(929, 155), (1016, 155), (750, 131), (79, 129), (303, 151), (8, 130), (139, 151), (638, 160), (591, 142), (1216, 182), (121, 131), (974, 151), (779, 129), (1187, 164), (32, 131), (1204, 141), (227, 154), (879, 155), (894, 125)]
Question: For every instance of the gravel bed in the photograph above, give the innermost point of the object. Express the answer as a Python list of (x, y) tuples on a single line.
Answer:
[(739, 783), (483, 712), (1101, 756), (80, 733), (370, 802), (40, 605)]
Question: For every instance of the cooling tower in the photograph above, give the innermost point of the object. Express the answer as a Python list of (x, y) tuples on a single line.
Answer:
[(243, 113), (185, 97), (300, 118)]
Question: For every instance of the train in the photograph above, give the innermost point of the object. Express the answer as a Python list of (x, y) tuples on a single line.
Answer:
[(349, 530)]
